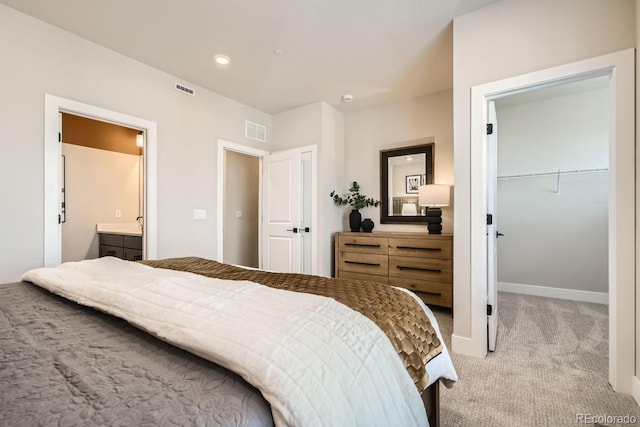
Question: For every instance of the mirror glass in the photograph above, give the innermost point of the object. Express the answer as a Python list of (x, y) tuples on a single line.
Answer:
[(402, 172)]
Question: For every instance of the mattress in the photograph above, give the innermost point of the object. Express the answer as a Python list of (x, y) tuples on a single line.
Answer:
[(62, 363)]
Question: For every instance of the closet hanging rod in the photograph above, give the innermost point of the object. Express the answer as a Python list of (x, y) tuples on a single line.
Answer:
[(527, 175)]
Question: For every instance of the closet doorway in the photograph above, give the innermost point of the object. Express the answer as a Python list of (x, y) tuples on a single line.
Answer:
[(553, 191), (619, 68)]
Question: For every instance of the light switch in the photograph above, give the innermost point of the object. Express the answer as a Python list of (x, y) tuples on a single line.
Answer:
[(199, 214), (118, 213), (238, 214)]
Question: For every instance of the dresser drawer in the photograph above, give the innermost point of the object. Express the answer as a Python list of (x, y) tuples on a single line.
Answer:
[(431, 292), (364, 263), (420, 262), (423, 248), (435, 270), (363, 244), (362, 276)]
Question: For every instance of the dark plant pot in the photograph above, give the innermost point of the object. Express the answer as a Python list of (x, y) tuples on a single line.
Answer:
[(367, 225), (355, 218)]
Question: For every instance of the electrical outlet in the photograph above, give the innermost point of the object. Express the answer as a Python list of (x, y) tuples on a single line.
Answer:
[(118, 213), (238, 214), (199, 214)]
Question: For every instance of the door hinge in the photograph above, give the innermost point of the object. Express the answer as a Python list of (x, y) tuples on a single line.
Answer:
[(59, 136), (489, 309), (59, 219), (489, 128), (489, 219)]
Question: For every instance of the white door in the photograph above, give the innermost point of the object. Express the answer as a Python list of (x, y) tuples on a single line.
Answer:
[(281, 224), (492, 225)]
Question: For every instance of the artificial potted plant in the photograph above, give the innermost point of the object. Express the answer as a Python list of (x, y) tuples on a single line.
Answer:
[(357, 201)]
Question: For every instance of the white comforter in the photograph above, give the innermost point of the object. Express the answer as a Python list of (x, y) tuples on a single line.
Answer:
[(316, 361)]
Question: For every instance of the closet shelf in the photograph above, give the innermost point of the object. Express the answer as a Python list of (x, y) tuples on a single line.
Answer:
[(559, 172)]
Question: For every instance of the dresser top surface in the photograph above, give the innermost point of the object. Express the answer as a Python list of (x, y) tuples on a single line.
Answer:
[(396, 234)]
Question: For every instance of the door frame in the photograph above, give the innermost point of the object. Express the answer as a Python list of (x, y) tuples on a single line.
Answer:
[(491, 144), (53, 106), (232, 146), (242, 149), (619, 66)]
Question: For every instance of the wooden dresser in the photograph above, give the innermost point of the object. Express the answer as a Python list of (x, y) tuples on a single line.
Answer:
[(421, 262)]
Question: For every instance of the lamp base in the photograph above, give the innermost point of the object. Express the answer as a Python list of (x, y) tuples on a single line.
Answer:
[(434, 220)]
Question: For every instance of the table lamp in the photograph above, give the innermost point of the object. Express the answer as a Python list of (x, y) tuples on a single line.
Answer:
[(434, 196)]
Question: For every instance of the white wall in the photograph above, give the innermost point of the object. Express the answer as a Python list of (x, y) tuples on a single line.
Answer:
[(554, 240), (506, 39), (321, 125), (97, 183), (39, 58), (370, 130)]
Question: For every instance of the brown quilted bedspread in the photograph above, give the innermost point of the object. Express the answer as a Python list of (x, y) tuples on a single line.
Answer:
[(395, 312)]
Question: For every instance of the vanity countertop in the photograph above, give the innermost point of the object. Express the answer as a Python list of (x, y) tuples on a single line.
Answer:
[(124, 228)]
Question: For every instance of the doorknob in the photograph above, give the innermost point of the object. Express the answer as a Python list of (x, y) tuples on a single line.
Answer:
[(294, 229), (498, 234)]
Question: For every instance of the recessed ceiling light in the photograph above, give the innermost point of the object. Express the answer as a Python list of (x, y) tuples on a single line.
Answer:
[(347, 98), (222, 59), (278, 51)]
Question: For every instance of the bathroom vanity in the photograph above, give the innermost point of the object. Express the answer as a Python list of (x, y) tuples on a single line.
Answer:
[(121, 240)]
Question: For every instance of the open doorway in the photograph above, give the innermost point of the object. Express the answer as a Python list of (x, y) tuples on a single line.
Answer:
[(241, 209), (619, 69), (287, 194), (53, 173), (553, 191), (236, 207), (102, 189)]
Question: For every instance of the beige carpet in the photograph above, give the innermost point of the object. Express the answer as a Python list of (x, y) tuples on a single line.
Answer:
[(550, 366)]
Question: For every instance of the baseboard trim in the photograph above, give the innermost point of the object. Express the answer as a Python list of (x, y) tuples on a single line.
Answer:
[(560, 293), (466, 346)]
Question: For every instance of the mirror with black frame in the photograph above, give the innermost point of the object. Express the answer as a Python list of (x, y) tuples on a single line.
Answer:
[(402, 171)]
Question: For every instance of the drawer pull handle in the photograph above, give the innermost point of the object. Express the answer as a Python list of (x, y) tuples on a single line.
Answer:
[(363, 245), (437, 294), (432, 270), (420, 249), (373, 264)]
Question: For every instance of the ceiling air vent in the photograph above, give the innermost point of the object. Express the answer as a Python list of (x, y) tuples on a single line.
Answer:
[(184, 89), (255, 131)]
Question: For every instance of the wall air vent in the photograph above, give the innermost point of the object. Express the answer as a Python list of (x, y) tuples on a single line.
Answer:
[(255, 131), (184, 89)]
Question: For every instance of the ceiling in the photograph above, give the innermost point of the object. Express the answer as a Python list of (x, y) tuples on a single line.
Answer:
[(379, 51)]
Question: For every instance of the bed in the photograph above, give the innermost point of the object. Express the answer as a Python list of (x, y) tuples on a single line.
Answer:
[(103, 342)]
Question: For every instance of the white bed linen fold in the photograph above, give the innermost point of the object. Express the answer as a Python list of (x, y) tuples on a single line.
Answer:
[(316, 361)]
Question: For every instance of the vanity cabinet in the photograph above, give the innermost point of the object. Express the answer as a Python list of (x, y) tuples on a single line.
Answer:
[(421, 262), (121, 246)]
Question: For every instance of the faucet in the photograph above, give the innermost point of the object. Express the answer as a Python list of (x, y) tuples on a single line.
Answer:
[(140, 221)]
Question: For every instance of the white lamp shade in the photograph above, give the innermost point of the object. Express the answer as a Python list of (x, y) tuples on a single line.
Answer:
[(409, 209), (434, 195)]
